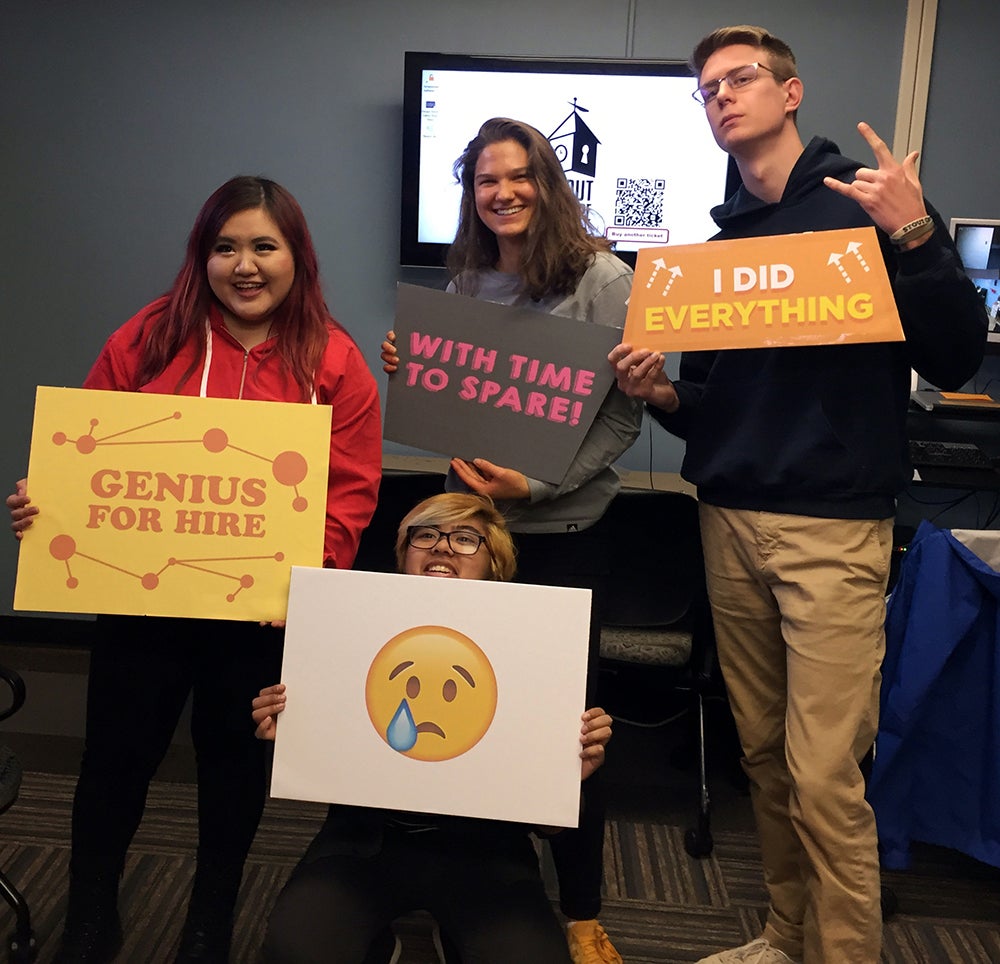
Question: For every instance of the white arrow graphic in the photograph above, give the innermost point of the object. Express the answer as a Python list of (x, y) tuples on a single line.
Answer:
[(835, 259), (675, 272), (854, 247), (658, 265)]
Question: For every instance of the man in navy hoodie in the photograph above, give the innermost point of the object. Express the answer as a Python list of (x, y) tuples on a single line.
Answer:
[(798, 455)]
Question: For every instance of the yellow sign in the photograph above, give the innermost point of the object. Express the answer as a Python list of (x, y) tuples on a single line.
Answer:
[(170, 505), (819, 288)]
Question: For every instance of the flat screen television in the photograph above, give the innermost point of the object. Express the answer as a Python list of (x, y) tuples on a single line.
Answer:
[(636, 148), (978, 243)]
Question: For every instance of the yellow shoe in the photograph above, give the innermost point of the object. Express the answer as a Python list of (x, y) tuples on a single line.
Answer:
[(590, 944)]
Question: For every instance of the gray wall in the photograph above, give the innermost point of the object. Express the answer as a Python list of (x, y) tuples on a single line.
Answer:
[(119, 118)]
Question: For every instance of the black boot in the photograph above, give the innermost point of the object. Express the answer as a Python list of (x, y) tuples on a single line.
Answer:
[(208, 930), (93, 932), (205, 943)]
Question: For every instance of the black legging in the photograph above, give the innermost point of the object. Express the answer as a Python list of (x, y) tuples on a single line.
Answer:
[(482, 887), (577, 560), (141, 672)]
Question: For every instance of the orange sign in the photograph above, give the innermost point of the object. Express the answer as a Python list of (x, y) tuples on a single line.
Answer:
[(818, 288), (169, 505)]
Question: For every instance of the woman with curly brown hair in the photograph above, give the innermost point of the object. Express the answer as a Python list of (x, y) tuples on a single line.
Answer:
[(523, 240)]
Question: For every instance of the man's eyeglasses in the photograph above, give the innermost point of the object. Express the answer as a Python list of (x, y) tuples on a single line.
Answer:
[(461, 541), (736, 79)]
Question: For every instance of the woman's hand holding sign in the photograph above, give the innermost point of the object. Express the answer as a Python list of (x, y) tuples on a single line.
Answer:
[(389, 355), (22, 512), (266, 708), (890, 193), (594, 737), (639, 374), (485, 478)]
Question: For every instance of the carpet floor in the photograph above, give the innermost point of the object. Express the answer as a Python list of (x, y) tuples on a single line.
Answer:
[(660, 904)]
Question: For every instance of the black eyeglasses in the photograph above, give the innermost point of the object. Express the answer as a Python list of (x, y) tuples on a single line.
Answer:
[(461, 541), (736, 79)]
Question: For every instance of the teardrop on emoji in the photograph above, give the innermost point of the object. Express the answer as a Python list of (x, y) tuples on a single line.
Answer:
[(401, 733)]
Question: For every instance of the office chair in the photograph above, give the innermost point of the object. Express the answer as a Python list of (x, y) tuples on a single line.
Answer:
[(655, 612), (21, 943)]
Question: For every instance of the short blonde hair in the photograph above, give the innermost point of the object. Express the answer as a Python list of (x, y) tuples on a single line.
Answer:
[(452, 508)]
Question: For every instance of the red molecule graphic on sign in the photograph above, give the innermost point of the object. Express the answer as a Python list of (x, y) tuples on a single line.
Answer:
[(289, 469)]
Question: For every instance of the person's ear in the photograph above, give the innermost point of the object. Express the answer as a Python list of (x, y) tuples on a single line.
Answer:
[(793, 94)]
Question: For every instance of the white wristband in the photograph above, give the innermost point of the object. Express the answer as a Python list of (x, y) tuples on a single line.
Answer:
[(913, 230)]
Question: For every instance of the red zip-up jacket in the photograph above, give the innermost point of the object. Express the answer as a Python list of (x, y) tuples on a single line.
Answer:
[(342, 380)]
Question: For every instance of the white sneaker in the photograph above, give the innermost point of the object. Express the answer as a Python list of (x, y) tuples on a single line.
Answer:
[(438, 943), (397, 952), (759, 951)]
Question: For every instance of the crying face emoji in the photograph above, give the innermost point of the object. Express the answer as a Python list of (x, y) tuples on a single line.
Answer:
[(431, 693)]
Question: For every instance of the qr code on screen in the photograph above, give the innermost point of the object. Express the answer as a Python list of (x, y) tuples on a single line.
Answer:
[(639, 202)]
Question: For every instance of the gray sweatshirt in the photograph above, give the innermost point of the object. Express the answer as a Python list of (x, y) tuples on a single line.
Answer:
[(591, 482)]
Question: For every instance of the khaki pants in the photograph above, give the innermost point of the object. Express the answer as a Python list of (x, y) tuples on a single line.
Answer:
[(799, 609)]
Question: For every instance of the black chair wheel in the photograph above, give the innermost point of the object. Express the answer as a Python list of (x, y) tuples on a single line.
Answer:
[(698, 843), (22, 952)]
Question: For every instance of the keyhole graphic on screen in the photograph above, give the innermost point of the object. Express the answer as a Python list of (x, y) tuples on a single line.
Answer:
[(401, 733), (585, 150)]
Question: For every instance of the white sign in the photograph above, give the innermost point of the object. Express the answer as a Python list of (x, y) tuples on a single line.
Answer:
[(433, 695)]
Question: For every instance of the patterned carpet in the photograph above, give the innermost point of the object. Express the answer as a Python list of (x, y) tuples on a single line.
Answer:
[(661, 905)]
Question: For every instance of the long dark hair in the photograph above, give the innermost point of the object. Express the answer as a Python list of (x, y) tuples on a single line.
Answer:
[(300, 321), (558, 247)]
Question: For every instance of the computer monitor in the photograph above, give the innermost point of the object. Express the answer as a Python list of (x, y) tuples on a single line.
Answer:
[(978, 243), (635, 147)]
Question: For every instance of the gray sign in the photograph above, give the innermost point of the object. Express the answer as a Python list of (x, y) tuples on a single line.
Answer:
[(480, 380)]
